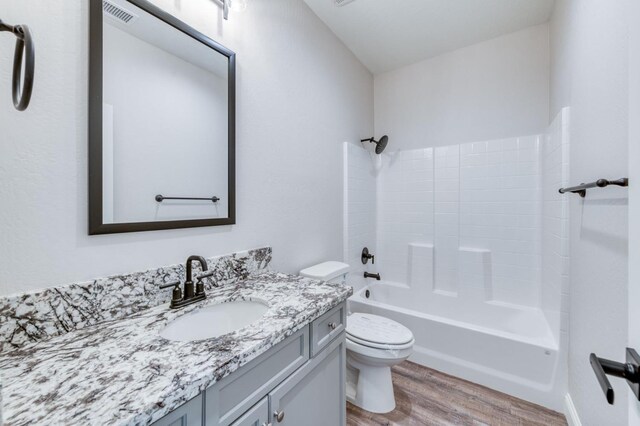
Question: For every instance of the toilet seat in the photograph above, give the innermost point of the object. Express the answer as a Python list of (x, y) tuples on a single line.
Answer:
[(376, 356), (378, 332), (382, 346)]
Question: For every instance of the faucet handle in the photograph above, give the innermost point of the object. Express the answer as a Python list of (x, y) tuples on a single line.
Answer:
[(365, 256), (200, 284), (167, 285), (177, 292), (202, 276)]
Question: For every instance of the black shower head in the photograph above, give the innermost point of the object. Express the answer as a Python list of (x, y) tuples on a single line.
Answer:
[(380, 145)]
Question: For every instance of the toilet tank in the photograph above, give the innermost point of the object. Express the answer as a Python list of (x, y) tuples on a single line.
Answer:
[(331, 271)]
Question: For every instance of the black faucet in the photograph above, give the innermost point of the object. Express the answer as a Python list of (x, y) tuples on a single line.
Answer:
[(365, 256), (368, 275), (192, 293), (189, 288)]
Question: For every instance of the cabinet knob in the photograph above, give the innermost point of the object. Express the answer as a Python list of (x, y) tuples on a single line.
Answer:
[(279, 415), (333, 325)]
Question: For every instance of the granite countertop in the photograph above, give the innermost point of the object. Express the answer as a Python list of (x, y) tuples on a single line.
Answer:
[(121, 372)]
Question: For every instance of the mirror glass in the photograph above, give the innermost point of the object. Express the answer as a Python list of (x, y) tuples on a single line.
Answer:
[(165, 133)]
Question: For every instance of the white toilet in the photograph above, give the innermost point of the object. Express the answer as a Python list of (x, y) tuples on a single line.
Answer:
[(374, 345)]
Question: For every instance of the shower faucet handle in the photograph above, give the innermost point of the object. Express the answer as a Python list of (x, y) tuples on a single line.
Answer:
[(365, 256)]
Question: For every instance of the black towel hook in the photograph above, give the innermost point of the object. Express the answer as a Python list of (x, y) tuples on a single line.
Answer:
[(24, 47)]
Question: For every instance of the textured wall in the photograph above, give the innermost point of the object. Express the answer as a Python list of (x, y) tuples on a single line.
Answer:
[(301, 93), (589, 60), (490, 90)]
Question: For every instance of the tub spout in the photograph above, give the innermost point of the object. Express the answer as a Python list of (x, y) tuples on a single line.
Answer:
[(368, 275)]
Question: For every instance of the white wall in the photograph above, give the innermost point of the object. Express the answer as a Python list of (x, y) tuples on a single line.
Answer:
[(301, 93), (405, 209), (490, 90), (470, 201), (360, 213), (500, 213), (634, 194), (446, 218), (554, 289), (590, 73), (555, 261)]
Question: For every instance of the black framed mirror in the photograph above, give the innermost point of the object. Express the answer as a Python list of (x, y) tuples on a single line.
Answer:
[(161, 122)]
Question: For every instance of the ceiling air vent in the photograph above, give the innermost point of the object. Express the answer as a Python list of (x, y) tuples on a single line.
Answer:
[(340, 3), (117, 12)]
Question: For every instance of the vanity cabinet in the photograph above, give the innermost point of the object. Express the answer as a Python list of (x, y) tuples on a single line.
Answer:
[(315, 394), (258, 415), (189, 414), (298, 382), (235, 394), (323, 330)]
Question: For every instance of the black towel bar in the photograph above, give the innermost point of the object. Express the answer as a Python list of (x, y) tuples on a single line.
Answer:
[(24, 47), (600, 183), (161, 198)]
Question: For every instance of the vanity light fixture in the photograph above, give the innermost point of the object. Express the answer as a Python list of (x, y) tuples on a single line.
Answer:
[(226, 5), (235, 5)]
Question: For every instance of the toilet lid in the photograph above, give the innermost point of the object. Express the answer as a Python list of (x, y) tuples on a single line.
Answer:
[(378, 330), (325, 271)]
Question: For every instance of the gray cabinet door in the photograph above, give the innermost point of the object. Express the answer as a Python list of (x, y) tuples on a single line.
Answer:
[(315, 394), (258, 415), (228, 399), (189, 414)]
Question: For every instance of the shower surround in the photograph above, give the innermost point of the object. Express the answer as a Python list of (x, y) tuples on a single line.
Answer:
[(471, 241)]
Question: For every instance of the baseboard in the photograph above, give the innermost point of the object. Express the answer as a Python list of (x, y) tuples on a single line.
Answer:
[(570, 412)]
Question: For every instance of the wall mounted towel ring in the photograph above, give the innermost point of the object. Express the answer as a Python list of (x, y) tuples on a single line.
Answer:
[(24, 48)]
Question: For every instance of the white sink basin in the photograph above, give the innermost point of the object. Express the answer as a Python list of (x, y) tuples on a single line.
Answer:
[(213, 321)]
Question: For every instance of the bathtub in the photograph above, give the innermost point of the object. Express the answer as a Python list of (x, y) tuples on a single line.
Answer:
[(506, 347)]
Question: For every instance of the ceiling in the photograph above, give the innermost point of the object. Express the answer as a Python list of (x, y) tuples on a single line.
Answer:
[(389, 34)]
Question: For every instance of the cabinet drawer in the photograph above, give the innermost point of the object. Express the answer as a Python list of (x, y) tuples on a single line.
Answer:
[(232, 396), (258, 415), (327, 327)]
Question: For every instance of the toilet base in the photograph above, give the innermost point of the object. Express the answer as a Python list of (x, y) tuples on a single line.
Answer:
[(374, 388), (373, 360)]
